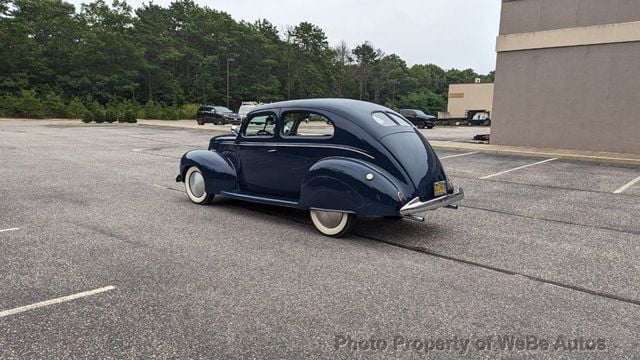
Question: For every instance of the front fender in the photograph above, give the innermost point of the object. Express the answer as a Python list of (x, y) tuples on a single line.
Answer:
[(341, 184), (218, 171)]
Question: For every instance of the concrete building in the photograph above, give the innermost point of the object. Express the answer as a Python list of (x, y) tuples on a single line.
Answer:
[(568, 75), (464, 97)]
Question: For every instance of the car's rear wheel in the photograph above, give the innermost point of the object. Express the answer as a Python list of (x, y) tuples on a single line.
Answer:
[(421, 124), (199, 121), (330, 223), (194, 185), (429, 127)]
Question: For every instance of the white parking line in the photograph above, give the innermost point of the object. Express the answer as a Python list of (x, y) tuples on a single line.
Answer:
[(625, 187), (458, 155), (54, 301), (9, 229), (518, 168)]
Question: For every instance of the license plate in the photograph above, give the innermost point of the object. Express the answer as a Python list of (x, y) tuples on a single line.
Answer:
[(439, 188)]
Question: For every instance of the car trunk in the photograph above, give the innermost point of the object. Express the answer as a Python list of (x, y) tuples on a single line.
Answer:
[(409, 149)]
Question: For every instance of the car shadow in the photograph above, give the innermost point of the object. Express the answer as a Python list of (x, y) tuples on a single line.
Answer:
[(402, 232)]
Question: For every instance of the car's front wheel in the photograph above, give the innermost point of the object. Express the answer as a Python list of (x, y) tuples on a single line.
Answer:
[(332, 223), (421, 124), (194, 185)]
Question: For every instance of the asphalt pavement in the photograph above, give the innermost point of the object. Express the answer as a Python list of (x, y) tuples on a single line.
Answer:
[(541, 251)]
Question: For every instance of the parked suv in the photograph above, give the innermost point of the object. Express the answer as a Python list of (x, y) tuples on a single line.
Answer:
[(419, 118), (218, 115)]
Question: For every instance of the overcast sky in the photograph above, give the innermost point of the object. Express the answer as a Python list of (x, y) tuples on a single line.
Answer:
[(451, 33)]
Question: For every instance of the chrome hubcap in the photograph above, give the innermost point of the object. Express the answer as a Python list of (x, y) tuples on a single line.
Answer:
[(196, 184), (329, 219)]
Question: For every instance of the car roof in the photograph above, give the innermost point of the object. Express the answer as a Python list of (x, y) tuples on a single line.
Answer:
[(356, 111)]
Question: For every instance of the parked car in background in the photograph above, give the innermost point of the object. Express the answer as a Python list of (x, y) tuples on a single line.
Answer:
[(419, 118), (218, 115), (246, 107), (335, 158), (479, 117)]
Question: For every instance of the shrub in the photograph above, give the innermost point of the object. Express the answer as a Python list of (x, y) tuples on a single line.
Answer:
[(54, 106), (188, 111), (76, 109), (153, 110), (87, 117), (110, 116), (93, 105), (26, 105), (99, 116), (130, 116), (170, 113)]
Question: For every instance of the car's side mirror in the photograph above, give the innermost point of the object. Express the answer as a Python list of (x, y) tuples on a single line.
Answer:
[(234, 130)]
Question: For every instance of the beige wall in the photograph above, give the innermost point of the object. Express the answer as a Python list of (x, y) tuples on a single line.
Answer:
[(571, 97), (463, 97)]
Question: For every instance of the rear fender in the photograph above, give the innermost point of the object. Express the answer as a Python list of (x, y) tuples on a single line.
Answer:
[(341, 184), (218, 171)]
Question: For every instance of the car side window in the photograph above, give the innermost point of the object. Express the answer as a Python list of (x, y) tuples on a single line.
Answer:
[(307, 124), (263, 125)]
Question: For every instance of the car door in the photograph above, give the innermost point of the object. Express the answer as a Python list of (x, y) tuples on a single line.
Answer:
[(306, 137), (257, 145)]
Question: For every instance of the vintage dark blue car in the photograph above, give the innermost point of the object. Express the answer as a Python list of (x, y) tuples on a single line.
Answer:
[(337, 158)]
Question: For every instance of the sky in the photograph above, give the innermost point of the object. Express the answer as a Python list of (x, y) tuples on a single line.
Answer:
[(451, 33)]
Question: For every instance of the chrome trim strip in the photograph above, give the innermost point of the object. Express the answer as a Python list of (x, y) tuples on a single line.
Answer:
[(416, 206), (326, 146)]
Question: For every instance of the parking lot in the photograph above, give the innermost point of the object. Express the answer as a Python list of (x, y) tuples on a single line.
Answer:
[(543, 248)]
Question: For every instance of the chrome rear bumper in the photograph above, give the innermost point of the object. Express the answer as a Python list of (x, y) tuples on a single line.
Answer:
[(416, 206)]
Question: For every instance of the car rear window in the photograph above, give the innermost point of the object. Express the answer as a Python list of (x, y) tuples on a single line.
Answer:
[(389, 119), (399, 119)]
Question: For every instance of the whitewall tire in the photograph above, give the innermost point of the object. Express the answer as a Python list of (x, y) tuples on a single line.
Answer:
[(331, 223), (194, 185)]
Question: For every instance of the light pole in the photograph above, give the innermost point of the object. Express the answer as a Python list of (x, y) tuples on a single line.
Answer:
[(229, 60)]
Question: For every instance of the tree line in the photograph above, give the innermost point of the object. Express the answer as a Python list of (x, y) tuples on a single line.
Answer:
[(159, 62)]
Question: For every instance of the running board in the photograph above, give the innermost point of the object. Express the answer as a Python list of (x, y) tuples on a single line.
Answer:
[(260, 199)]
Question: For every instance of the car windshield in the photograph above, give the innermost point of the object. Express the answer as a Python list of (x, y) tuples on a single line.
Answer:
[(420, 112), (221, 109)]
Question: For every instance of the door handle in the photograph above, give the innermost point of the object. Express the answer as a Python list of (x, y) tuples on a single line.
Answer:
[(272, 150)]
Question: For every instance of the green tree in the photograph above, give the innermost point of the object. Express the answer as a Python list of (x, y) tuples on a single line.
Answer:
[(427, 101), (366, 57)]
